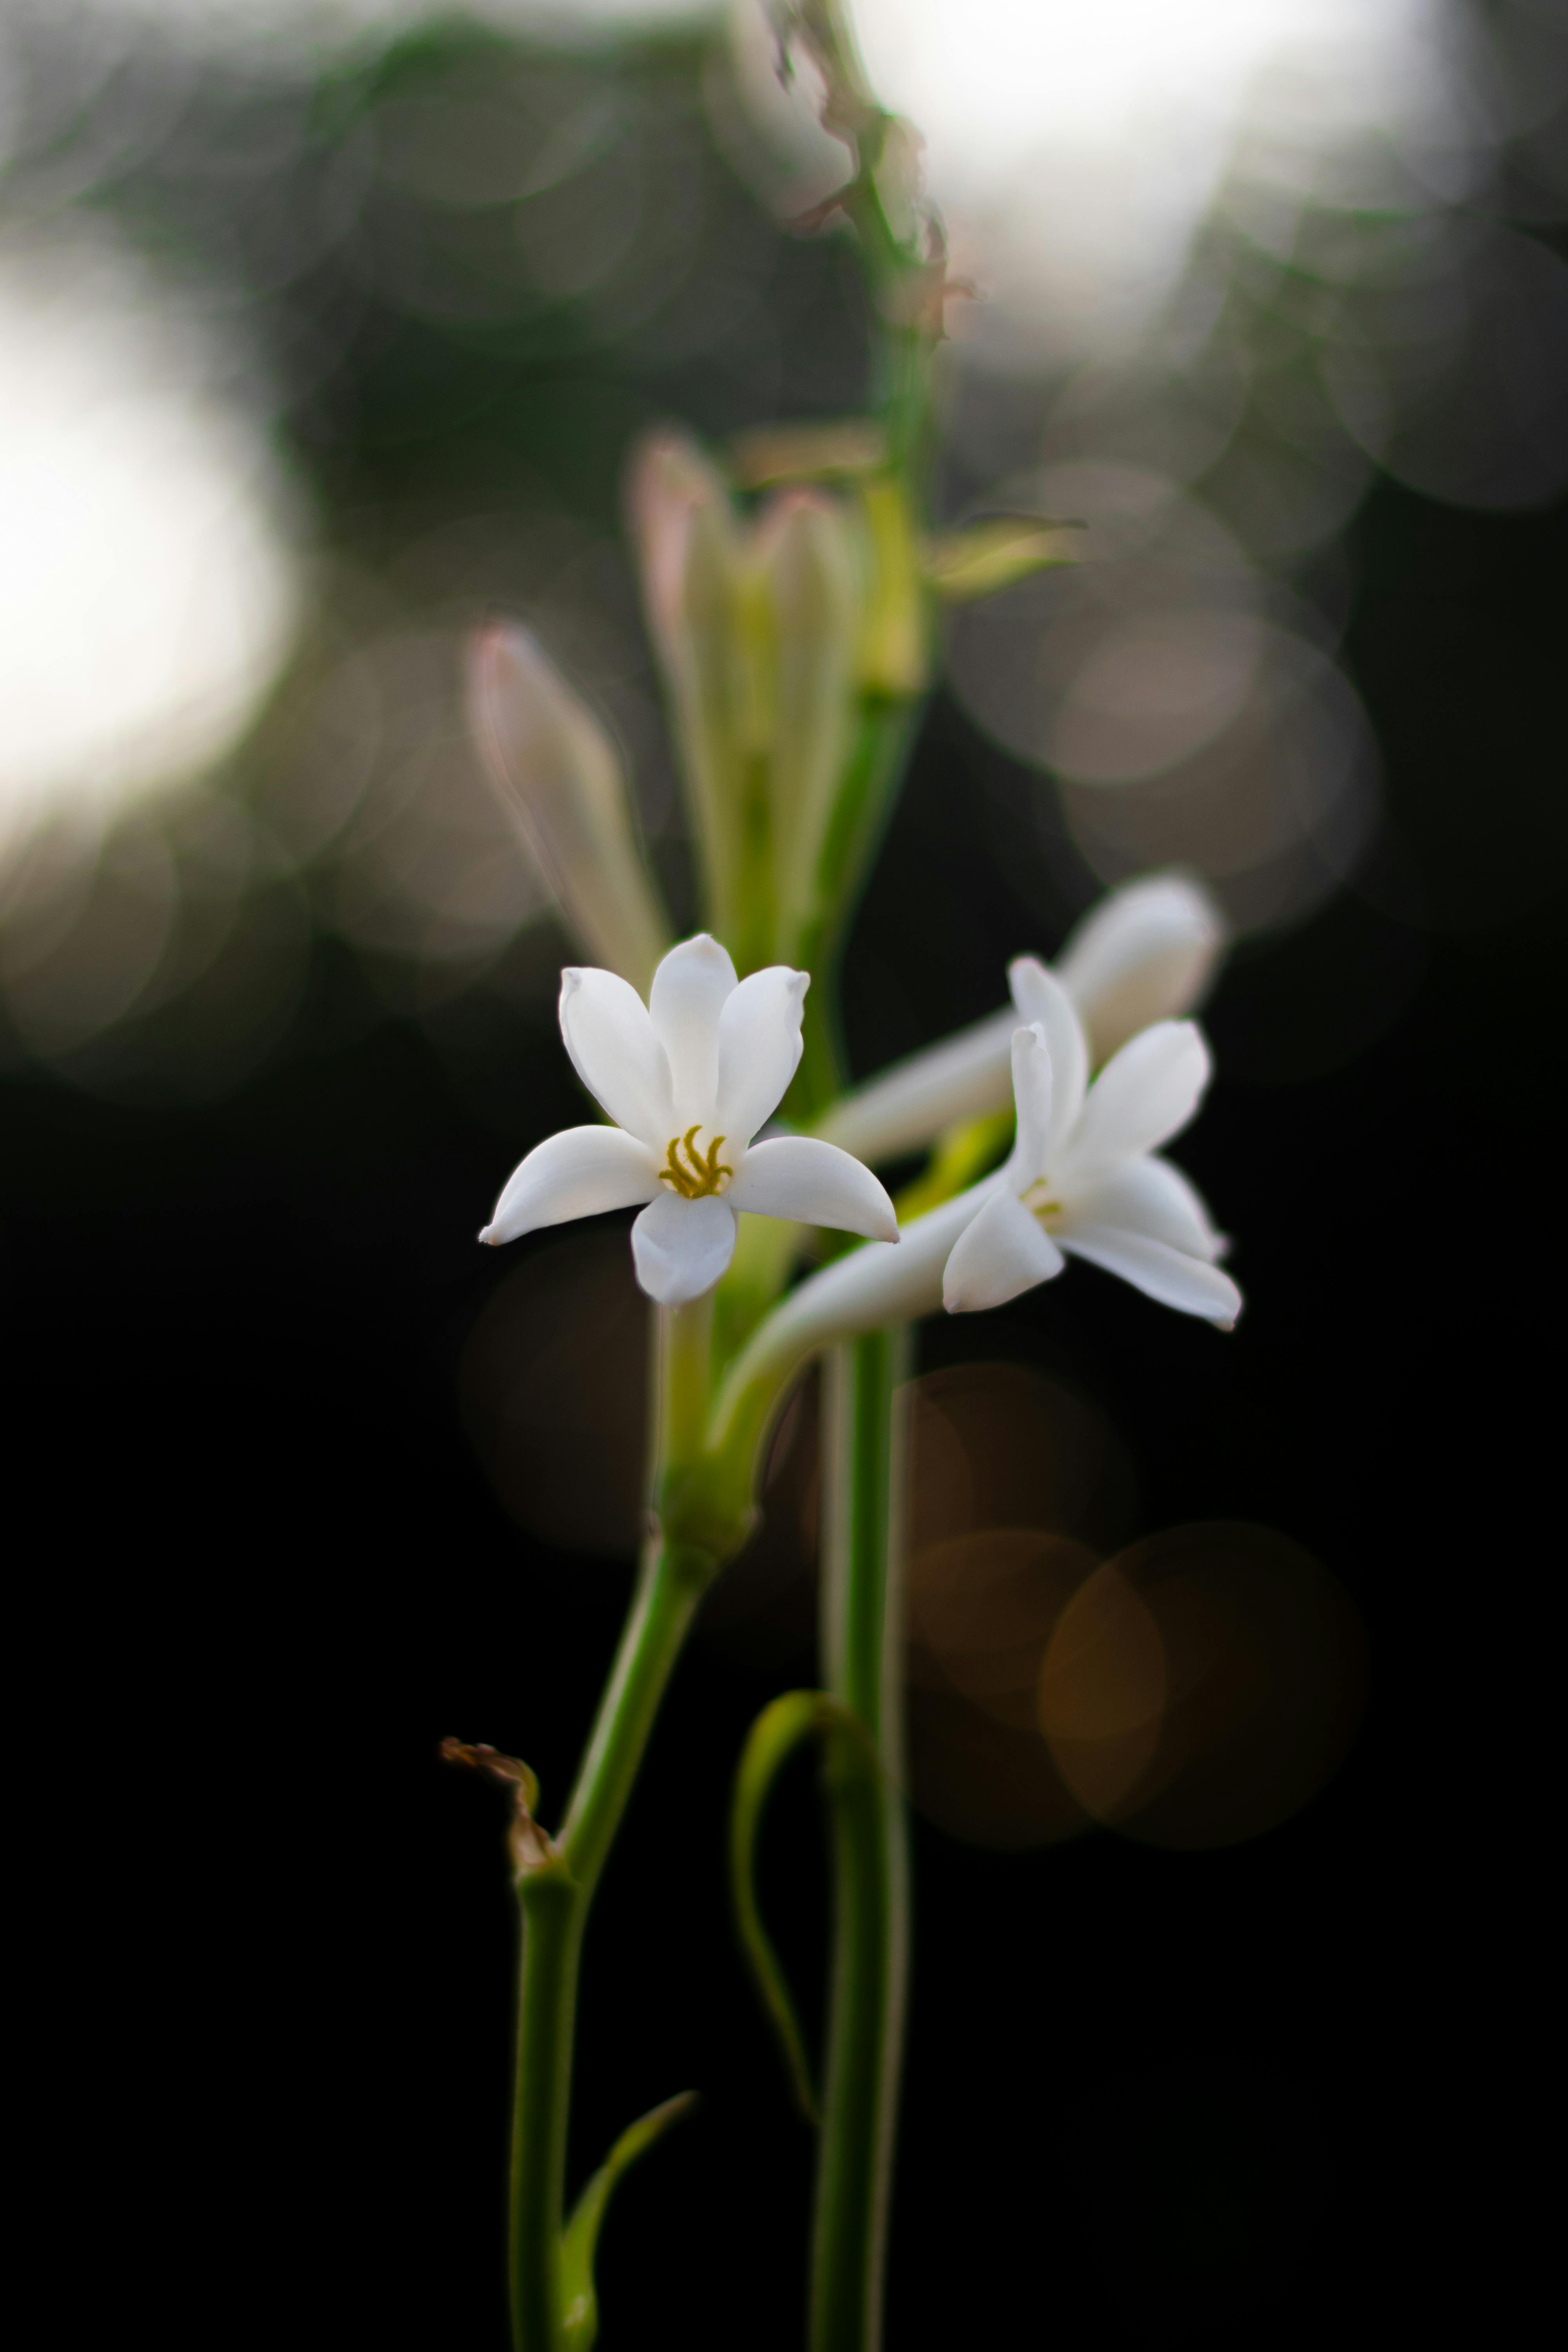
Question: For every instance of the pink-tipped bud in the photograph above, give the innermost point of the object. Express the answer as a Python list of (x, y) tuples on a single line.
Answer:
[(560, 778), (669, 487)]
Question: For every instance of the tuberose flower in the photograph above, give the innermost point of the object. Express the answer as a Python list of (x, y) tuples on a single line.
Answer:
[(1144, 954), (689, 1078), (1084, 1176)]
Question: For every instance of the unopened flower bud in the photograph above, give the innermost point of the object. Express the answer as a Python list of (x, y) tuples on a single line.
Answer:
[(813, 594), (692, 566), (775, 632), (558, 775), (1145, 954)]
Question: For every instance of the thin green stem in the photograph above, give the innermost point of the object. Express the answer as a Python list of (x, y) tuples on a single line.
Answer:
[(862, 1375), (884, 736), (673, 1579), (867, 1999), (556, 1886), (553, 1912), (555, 1896)]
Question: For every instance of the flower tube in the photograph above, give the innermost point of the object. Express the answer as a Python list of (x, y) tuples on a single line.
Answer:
[(558, 775)]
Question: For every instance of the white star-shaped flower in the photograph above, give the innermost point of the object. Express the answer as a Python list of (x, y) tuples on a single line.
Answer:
[(1145, 954), (689, 1079), (1084, 1177)]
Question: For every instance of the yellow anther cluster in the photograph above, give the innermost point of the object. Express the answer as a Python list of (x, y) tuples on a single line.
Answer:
[(698, 1179), (1039, 1201)]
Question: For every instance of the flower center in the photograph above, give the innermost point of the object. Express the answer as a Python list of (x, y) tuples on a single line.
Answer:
[(1037, 1200), (695, 1177)]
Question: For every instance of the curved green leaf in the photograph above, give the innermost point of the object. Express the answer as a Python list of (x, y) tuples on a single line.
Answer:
[(579, 2301), (773, 1739)]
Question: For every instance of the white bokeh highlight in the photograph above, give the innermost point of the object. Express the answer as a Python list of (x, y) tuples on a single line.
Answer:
[(149, 590)]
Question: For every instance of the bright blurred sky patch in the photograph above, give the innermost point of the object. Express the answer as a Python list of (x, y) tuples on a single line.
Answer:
[(147, 595)]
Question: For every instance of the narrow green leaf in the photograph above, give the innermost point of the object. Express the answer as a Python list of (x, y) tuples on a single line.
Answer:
[(579, 2302), (964, 564)]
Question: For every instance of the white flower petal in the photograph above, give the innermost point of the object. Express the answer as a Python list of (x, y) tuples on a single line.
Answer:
[(1001, 1255), (688, 993), (907, 1108), (681, 1247), (616, 1055), (1152, 1198), (797, 1176), (1144, 954), (1145, 1093), (1168, 1274), (758, 1049), (1033, 1089), (1041, 998), (577, 1173)]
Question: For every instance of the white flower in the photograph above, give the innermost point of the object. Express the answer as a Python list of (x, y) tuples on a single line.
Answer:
[(1144, 954), (558, 776), (1083, 1177), (689, 1079)]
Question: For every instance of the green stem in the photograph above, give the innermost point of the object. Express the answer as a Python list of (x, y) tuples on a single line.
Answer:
[(556, 1889), (867, 1999), (885, 735), (552, 1913)]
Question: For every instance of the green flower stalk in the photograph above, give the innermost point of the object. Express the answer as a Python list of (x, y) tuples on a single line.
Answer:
[(791, 591)]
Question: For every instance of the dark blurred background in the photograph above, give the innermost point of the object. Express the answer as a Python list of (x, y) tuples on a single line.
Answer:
[(320, 337)]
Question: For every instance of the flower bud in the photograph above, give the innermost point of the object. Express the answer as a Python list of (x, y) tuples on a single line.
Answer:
[(774, 634), (1144, 954), (558, 775), (694, 590), (807, 560), (671, 486)]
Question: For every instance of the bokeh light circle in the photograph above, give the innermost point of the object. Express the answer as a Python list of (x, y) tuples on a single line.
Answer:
[(149, 591)]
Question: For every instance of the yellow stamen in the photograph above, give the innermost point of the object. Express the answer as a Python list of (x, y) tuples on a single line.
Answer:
[(698, 1179), (1039, 1201)]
